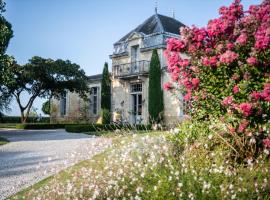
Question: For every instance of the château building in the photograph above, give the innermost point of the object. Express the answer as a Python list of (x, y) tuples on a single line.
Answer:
[(129, 78)]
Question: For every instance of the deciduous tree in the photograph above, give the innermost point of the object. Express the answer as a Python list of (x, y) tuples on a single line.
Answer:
[(44, 78), (6, 34)]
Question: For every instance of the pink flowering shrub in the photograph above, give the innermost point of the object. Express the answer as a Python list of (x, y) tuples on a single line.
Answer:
[(227, 73)]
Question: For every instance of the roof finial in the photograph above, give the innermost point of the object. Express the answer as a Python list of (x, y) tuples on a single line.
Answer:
[(156, 7), (173, 14)]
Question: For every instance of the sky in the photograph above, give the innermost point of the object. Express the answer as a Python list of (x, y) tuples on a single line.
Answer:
[(84, 31)]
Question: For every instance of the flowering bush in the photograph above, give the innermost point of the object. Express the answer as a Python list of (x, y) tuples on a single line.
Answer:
[(148, 167), (227, 74)]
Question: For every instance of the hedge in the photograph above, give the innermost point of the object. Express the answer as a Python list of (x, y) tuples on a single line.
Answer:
[(40, 126), (82, 128), (17, 119)]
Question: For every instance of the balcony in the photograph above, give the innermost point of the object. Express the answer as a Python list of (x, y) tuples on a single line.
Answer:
[(129, 70)]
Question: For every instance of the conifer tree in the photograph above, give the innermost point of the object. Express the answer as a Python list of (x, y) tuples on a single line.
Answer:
[(155, 94), (106, 95)]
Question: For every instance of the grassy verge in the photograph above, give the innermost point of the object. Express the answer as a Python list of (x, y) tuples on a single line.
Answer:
[(4, 125), (148, 166), (3, 141)]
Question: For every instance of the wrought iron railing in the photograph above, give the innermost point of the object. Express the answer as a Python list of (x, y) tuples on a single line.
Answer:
[(134, 68)]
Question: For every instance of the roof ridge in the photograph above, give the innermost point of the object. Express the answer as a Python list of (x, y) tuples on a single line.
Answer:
[(159, 22)]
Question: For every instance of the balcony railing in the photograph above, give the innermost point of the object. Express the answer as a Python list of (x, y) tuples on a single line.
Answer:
[(130, 69)]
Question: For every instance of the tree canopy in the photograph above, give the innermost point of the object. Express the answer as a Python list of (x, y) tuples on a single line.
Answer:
[(6, 34), (44, 78)]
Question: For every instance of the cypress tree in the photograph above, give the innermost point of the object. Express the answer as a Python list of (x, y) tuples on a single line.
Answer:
[(155, 94), (105, 95)]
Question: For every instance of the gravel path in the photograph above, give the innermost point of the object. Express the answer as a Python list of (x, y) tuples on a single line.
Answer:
[(33, 155)]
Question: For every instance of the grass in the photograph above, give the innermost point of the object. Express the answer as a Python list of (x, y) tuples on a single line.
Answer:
[(7, 125), (148, 166), (3, 141)]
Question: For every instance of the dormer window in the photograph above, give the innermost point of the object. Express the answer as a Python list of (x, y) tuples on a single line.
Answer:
[(134, 53)]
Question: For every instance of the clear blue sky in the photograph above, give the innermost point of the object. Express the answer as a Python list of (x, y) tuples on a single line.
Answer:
[(84, 31)]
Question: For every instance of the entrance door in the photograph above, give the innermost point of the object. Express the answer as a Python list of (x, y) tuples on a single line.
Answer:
[(137, 108)]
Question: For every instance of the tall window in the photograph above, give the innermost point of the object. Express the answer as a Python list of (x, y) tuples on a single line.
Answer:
[(63, 104), (94, 100)]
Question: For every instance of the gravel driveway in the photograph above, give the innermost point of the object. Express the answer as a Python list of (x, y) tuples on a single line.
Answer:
[(33, 155)]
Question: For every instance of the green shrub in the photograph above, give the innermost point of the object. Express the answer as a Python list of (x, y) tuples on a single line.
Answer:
[(82, 128), (17, 119), (40, 126)]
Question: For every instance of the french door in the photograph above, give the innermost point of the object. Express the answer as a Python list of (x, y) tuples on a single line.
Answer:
[(136, 108)]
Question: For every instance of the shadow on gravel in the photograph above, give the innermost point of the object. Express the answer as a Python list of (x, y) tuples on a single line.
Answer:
[(41, 135), (21, 166)]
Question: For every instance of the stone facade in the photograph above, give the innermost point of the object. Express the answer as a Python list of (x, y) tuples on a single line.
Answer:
[(76, 109), (130, 66)]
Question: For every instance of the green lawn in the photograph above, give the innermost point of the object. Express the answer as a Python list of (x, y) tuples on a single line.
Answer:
[(3, 141), (7, 125), (147, 166)]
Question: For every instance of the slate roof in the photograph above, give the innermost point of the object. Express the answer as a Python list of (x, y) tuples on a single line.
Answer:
[(95, 77), (156, 24)]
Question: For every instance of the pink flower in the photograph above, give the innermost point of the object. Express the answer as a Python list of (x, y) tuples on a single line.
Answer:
[(255, 95), (174, 44), (266, 92), (252, 61), (228, 57), (173, 59), (227, 101), (195, 82), (188, 85), (243, 125), (187, 97), (230, 46), (184, 62), (246, 109), (262, 36), (266, 142), (212, 61), (242, 39), (167, 86), (235, 89)]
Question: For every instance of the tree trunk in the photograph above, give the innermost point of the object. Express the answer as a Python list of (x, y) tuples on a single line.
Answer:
[(28, 110), (22, 115), (23, 108)]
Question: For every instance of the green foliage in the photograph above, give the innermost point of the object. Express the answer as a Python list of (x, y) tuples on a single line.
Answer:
[(44, 78), (40, 126), (105, 95), (3, 141), (190, 131), (6, 34), (106, 116), (83, 128), (155, 94), (15, 119), (46, 107)]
